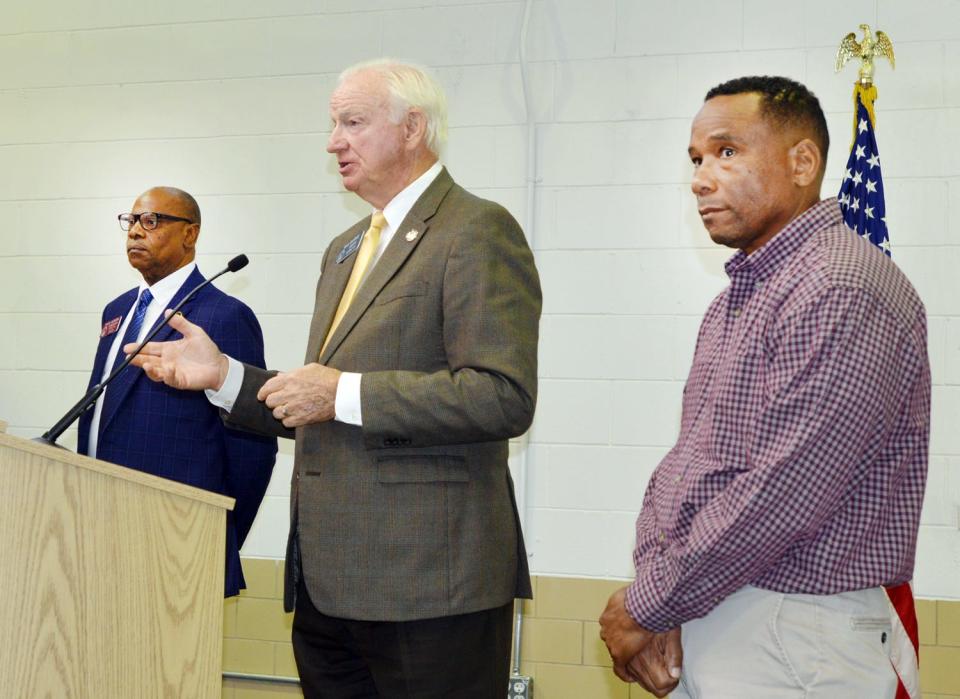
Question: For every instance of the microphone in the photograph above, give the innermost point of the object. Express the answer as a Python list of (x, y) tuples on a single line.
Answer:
[(50, 436), (234, 265)]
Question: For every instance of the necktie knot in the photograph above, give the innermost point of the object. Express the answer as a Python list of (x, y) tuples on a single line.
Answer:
[(372, 239)]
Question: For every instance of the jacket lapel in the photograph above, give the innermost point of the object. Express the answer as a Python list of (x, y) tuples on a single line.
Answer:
[(118, 391), (118, 308), (121, 307), (193, 280), (393, 257), (335, 278)]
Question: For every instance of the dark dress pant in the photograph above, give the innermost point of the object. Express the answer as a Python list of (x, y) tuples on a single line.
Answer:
[(466, 656)]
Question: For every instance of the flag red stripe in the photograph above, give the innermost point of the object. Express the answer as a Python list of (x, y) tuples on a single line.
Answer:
[(901, 597)]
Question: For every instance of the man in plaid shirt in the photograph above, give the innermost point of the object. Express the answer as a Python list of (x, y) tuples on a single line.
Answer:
[(794, 490)]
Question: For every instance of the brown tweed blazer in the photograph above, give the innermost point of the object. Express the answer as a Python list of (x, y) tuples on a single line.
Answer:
[(413, 515)]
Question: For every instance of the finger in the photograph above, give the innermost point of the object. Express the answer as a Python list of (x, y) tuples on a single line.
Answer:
[(179, 323), (151, 348), (149, 368), (650, 684), (274, 401), (156, 371), (272, 385), (656, 678), (140, 361), (637, 670), (620, 671), (661, 681), (673, 653)]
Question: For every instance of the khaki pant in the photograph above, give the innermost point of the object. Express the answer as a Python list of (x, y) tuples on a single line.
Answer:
[(766, 645)]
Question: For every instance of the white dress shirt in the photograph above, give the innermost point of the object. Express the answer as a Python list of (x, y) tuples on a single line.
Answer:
[(347, 401), (163, 292)]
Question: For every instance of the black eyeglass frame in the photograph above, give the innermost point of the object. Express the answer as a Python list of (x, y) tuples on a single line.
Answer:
[(133, 219)]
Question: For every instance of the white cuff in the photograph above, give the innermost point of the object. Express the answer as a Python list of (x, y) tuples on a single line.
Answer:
[(347, 403), (227, 395)]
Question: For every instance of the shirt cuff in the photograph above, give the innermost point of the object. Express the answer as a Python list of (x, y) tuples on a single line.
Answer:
[(645, 601), (347, 403), (227, 395), (659, 601)]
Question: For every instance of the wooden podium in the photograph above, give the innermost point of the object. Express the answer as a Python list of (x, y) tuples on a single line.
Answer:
[(113, 579)]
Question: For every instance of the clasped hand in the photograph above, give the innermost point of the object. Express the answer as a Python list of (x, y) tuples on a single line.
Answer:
[(651, 659), (302, 396)]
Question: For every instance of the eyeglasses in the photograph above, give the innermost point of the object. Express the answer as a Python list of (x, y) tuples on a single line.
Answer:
[(149, 220)]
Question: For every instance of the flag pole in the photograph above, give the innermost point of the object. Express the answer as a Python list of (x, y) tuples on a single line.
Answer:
[(864, 211)]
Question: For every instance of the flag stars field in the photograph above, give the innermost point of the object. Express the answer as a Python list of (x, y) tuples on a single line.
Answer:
[(861, 192)]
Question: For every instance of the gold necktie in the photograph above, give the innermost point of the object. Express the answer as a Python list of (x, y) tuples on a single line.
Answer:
[(368, 247)]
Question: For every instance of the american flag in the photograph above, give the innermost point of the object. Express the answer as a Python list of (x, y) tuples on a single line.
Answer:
[(861, 192), (864, 211)]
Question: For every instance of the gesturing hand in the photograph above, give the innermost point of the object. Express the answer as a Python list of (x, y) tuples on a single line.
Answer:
[(193, 362), (302, 396)]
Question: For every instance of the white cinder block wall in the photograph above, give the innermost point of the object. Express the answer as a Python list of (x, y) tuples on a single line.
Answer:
[(100, 100)]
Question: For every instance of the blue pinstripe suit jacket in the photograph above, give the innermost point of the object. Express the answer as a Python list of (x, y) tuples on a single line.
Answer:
[(178, 434)]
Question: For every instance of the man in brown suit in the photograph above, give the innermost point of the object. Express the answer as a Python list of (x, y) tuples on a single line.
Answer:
[(421, 364)]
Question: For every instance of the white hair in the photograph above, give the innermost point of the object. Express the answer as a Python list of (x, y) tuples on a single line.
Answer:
[(410, 87)]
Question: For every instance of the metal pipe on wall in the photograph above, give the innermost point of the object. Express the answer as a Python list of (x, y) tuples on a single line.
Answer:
[(521, 686)]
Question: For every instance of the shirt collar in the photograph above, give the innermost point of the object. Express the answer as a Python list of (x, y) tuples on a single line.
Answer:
[(398, 207), (166, 288), (784, 244)]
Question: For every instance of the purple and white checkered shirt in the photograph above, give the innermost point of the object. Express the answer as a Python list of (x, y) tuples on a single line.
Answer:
[(802, 456)]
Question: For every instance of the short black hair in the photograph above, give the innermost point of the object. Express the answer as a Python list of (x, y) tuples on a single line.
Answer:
[(784, 102), (186, 200)]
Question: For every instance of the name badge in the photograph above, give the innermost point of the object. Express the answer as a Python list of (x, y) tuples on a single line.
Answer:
[(350, 247)]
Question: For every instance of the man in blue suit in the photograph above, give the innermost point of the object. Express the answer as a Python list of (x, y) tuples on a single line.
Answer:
[(154, 428)]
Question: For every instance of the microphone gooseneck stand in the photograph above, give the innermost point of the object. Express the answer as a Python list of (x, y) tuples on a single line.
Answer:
[(85, 403)]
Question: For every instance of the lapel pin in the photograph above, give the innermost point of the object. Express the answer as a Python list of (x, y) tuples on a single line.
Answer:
[(111, 327), (412, 235)]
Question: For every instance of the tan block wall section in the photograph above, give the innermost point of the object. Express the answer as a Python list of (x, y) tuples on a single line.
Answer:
[(256, 635), (561, 646)]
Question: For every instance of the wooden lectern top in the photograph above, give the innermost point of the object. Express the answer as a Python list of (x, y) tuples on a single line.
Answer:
[(64, 456)]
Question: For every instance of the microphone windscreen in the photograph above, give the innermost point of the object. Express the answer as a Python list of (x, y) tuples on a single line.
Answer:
[(238, 263)]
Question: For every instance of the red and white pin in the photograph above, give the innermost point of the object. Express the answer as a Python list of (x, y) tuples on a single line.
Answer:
[(110, 327)]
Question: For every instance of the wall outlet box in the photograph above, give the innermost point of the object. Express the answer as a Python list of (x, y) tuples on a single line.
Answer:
[(520, 687)]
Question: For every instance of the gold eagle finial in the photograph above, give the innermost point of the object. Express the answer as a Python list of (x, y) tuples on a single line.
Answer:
[(866, 51)]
